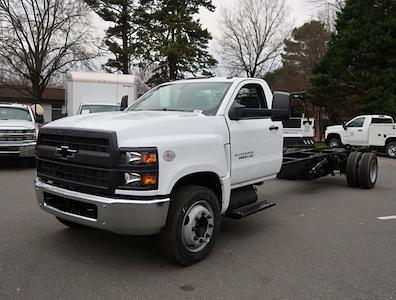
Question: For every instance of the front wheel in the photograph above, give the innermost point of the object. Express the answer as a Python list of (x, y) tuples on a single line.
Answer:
[(335, 142), (192, 224), (391, 150)]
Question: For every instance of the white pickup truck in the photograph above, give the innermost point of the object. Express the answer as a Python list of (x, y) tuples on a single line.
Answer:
[(177, 159), (375, 131), (18, 131)]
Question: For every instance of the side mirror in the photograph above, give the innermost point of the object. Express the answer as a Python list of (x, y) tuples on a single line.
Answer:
[(124, 103), (236, 113), (280, 106), (39, 119)]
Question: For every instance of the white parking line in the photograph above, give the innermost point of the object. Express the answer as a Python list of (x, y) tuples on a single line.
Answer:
[(387, 218)]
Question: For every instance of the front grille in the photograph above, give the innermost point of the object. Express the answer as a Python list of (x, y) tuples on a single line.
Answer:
[(88, 163), (76, 142), (16, 135), (75, 176), (71, 206)]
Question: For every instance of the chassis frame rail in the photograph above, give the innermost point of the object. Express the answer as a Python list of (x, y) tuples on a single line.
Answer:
[(312, 164)]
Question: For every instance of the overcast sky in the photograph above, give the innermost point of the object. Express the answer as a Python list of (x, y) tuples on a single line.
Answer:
[(301, 11)]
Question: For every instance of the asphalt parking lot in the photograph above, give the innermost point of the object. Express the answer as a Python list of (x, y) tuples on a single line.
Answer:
[(321, 241)]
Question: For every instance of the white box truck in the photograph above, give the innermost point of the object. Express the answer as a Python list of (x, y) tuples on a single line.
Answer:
[(98, 92)]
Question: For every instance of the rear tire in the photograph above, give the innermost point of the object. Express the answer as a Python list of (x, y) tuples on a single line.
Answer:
[(368, 170), (70, 224), (391, 150), (352, 167), (192, 225), (335, 142)]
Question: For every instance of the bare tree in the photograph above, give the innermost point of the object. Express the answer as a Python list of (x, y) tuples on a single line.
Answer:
[(327, 11), (252, 36), (42, 38)]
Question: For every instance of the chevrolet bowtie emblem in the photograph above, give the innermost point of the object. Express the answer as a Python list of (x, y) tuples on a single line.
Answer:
[(65, 153)]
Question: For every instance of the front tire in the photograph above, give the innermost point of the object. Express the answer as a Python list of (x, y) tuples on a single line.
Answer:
[(391, 150), (335, 142), (192, 225)]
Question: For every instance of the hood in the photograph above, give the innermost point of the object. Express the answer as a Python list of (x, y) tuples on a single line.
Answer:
[(334, 128), (145, 127), (15, 124)]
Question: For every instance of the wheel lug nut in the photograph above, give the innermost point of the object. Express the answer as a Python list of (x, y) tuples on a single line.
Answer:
[(207, 235), (209, 217), (201, 241), (210, 225), (203, 214)]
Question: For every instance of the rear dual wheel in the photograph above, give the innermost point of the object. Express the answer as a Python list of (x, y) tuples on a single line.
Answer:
[(362, 170)]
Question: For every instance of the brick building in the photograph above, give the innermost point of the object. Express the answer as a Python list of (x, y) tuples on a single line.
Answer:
[(53, 100)]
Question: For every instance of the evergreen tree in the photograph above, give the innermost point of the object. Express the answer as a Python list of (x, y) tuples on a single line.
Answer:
[(358, 72), (120, 38), (173, 40)]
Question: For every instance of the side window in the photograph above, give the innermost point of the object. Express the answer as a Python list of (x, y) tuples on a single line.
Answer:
[(357, 122), (251, 96), (381, 121)]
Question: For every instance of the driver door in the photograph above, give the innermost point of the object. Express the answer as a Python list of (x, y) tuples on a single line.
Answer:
[(354, 133), (256, 143)]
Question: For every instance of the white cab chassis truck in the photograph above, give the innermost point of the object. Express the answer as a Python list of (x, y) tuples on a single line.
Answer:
[(18, 131), (375, 131), (98, 92), (177, 159)]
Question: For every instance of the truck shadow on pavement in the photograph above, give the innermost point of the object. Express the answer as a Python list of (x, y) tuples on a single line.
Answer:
[(96, 247), (14, 164)]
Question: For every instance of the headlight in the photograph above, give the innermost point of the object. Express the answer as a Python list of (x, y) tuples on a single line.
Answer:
[(140, 180), (146, 156), (139, 167)]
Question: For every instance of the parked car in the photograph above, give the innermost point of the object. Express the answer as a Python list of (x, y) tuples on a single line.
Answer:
[(18, 131), (375, 131)]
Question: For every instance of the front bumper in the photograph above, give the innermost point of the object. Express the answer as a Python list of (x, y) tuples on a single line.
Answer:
[(21, 150), (123, 216)]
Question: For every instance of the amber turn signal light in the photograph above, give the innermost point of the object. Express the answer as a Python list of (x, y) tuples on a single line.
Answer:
[(149, 158), (149, 179)]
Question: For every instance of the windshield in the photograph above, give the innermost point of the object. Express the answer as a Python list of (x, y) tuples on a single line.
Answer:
[(189, 96), (95, 108), (14, 113)]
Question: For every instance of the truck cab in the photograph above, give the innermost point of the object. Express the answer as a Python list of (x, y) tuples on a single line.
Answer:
[(175, 160), (18, 131), (376, 131)]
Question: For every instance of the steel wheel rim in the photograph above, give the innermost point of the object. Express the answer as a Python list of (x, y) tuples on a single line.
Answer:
[(373, 171), (392, 150), (333, 144), (198, 226)]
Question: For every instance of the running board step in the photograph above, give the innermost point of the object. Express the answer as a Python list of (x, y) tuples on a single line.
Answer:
[(249, 209)]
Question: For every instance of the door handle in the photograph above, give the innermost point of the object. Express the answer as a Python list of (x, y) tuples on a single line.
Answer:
[(360, 129), (274, 128)]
